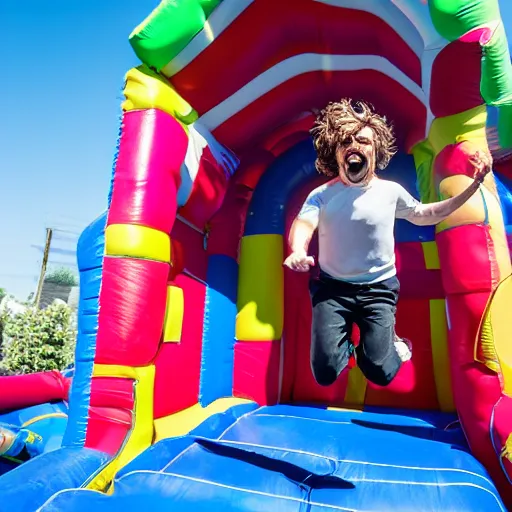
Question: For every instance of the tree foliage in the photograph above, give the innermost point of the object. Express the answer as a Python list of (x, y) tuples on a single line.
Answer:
[(3, 319), (38, 340), (62, 275)]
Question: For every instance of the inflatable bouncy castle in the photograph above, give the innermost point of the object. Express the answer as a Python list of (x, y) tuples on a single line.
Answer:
[(192, 388)]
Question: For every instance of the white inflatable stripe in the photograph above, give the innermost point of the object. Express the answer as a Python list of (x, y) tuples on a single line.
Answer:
[(300, 64), (190, 167), (419, 14), (409, 18), (200, 138)]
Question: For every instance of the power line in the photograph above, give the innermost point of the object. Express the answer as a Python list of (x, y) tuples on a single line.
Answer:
[(75, 233), (56, 250), (68, 235), (59, 251), (17, 276)]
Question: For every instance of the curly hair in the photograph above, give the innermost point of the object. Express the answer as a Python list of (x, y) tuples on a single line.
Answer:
[(340, 120)]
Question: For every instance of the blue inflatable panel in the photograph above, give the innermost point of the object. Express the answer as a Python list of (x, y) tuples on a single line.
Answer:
[(160, 492), (7, 465), (90, 250), (48, 421), (294, 458), (29, 414), (220, 312), (158, 456), (504, 188), (290, 171), (27, 487)]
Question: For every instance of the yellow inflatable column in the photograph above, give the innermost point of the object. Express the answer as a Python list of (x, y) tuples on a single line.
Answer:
[(260, 289)]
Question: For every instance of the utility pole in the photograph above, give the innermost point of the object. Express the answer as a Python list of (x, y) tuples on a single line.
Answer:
[(46, 253)]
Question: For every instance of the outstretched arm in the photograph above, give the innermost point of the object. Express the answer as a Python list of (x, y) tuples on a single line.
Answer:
[(434, 213)]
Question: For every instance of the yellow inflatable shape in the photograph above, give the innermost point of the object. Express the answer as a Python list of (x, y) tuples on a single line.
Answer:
[(440, 356), (472, 212), (31, 421), (495, 334), (465, 126), (431, 255), (355, 393), (182, 422), (351, 409), (486, 345), (260, 288), (137, 242), (146, 89), (114, 370), (173, 322), (506, 451), (497, 224), (141, 435), (484, 204)]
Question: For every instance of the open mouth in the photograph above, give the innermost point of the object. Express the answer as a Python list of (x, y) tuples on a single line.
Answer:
[(357, 165)]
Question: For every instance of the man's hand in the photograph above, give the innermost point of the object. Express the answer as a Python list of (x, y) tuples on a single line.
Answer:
[(482, 163), (299, 261)]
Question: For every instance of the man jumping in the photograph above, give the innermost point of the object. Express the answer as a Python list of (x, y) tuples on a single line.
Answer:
[(355, 214)]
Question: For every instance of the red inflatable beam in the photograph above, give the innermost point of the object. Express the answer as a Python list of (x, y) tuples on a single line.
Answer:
[(21, 391)]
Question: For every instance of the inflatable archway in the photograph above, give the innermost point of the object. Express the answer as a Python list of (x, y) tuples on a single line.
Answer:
[(192, 388)]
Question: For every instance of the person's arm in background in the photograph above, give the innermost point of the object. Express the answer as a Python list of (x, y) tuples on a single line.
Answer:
[(434, 213), (301, 232)]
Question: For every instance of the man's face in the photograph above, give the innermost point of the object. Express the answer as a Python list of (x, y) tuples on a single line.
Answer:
[(356, 157)]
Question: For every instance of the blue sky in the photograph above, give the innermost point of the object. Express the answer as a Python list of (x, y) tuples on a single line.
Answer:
[(63, 65)]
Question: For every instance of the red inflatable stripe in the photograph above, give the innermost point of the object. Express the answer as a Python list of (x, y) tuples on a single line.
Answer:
[(256, 374), (132, 309), (21, 391)]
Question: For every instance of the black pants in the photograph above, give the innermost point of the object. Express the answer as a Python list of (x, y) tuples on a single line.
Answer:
[(337, 305)]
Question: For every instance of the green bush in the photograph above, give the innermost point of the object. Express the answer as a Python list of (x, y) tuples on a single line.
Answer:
[(3, 319), (38, 340), (62, 276)]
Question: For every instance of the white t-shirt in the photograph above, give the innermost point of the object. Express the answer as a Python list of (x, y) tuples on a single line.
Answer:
[(356, 228)]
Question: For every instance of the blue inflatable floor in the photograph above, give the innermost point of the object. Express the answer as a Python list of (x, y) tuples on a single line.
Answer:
[(302, 459)]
